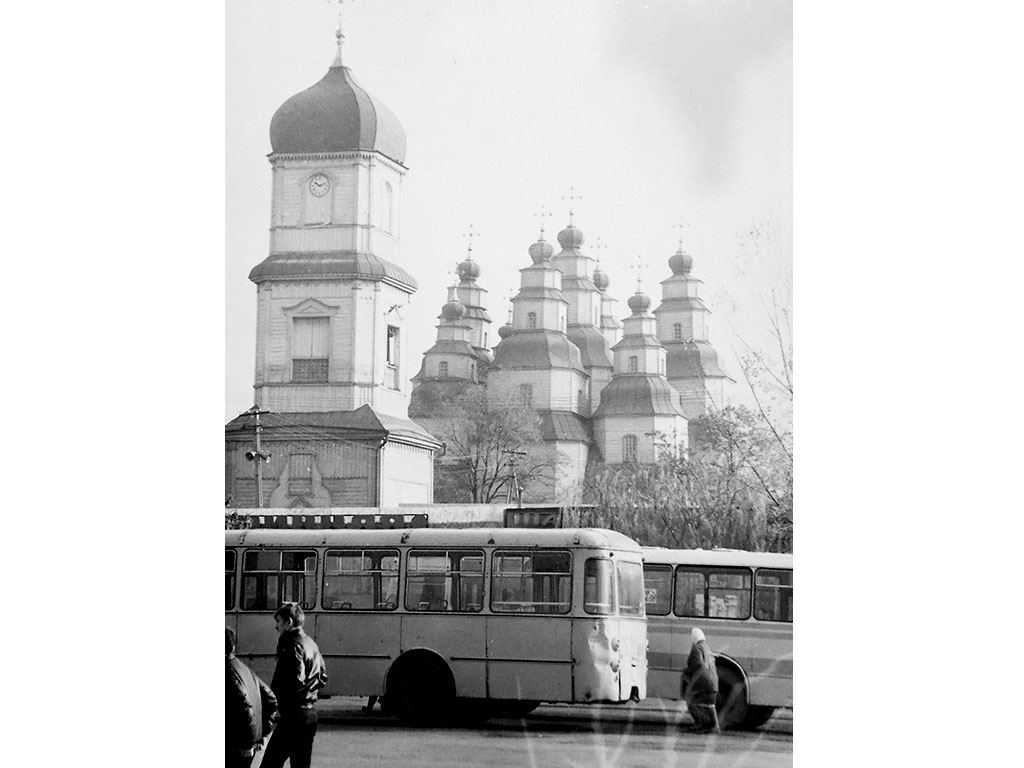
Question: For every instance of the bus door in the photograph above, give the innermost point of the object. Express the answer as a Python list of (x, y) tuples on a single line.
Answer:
[(529, 629), (358, 623), (444, 598)]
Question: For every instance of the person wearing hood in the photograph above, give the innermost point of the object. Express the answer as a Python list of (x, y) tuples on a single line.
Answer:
[(250, 707), (700, 684)]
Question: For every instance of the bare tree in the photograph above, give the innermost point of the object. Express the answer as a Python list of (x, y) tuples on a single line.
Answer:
[(484, 438)]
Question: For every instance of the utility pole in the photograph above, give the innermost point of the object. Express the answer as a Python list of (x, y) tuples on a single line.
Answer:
[(515, 478), (258, 456)]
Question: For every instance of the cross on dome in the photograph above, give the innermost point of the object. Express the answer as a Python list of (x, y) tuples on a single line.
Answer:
[(339, 35), (541, 215), (571, 197)]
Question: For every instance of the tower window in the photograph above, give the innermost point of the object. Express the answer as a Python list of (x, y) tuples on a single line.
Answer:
[(442, 369), (309, 349), (629, 447), (633, 364), (526, 391), (472, 371), (677, 331), (392, 347), (531, 319), (392, 355)]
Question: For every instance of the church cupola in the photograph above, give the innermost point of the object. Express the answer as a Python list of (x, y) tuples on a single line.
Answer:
[(683, 328)]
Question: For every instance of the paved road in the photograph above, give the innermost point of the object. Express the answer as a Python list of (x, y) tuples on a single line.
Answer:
[(643, 736)]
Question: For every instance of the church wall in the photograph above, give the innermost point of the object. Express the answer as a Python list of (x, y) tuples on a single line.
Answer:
[(342, 473), (407, 475)]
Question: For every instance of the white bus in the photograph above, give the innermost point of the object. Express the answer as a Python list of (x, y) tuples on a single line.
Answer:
[(428, 618), (743, 601)]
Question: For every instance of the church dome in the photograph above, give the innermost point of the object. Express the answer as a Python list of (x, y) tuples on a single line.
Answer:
[(601, 279), (680, 263), (468, 269), (453, 310), (541, 251), (336, 115), (570, 238), (639, 303), (504, 331)]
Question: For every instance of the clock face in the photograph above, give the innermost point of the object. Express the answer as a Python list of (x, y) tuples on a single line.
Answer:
[(319, 185)]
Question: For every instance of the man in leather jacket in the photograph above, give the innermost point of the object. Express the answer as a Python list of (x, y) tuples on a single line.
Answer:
[(299, 674), (250, 707)]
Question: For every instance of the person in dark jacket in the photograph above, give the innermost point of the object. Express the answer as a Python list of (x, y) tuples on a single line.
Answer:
[(250, 707), (700, 684), (299, 674)]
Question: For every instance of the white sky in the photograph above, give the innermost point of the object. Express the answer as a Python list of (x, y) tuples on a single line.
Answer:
[(653, 112)]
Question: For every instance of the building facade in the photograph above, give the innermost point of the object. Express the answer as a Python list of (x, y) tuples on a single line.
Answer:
[(332, 379)]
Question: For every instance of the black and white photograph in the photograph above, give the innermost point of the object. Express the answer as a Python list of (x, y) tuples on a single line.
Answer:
[(509, 383), (479, 319)]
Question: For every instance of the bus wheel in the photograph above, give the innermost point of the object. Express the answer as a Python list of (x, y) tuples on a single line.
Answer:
[(757, 716), (732, 698), (421, 690)]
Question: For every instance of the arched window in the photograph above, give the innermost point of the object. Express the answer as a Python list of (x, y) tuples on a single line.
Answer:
[(526, 391), (472, 371), (677, 331), (442, 369), (531, 319), (629, 447), (633, 364)]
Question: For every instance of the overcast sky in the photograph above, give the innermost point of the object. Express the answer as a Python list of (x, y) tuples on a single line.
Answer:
[(653, 112)]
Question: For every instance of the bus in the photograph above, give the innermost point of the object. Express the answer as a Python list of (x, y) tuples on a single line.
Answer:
[(439, 622), (743, 601)]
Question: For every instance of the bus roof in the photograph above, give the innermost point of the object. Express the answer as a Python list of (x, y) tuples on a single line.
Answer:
[(717, 557), (433, 537)]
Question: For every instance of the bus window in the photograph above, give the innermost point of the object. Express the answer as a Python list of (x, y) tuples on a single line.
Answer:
[(631, 588), (597, 587), (773, 595), (444, 580), (717, 593), (537, 581), (689, 593), (658, 589), (229, 579), (361, 580), (729, 594), (273, 576)]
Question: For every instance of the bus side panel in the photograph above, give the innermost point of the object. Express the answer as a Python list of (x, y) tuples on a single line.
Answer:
[(594, 678), (664, 659), (358, 648), (257, 643), (529, 658), (459, 639), (763, 650)]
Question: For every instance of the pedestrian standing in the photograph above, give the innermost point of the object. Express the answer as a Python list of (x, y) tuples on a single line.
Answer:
[(250, 707), (700, 684), (299, 674)]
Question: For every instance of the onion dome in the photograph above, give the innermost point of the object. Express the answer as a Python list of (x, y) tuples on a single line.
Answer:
[(541, 251), (453, 310), (639, 303), (468, 270), (504, 331), (570, 238), (681, 263), (601, 279), (336, 115)]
